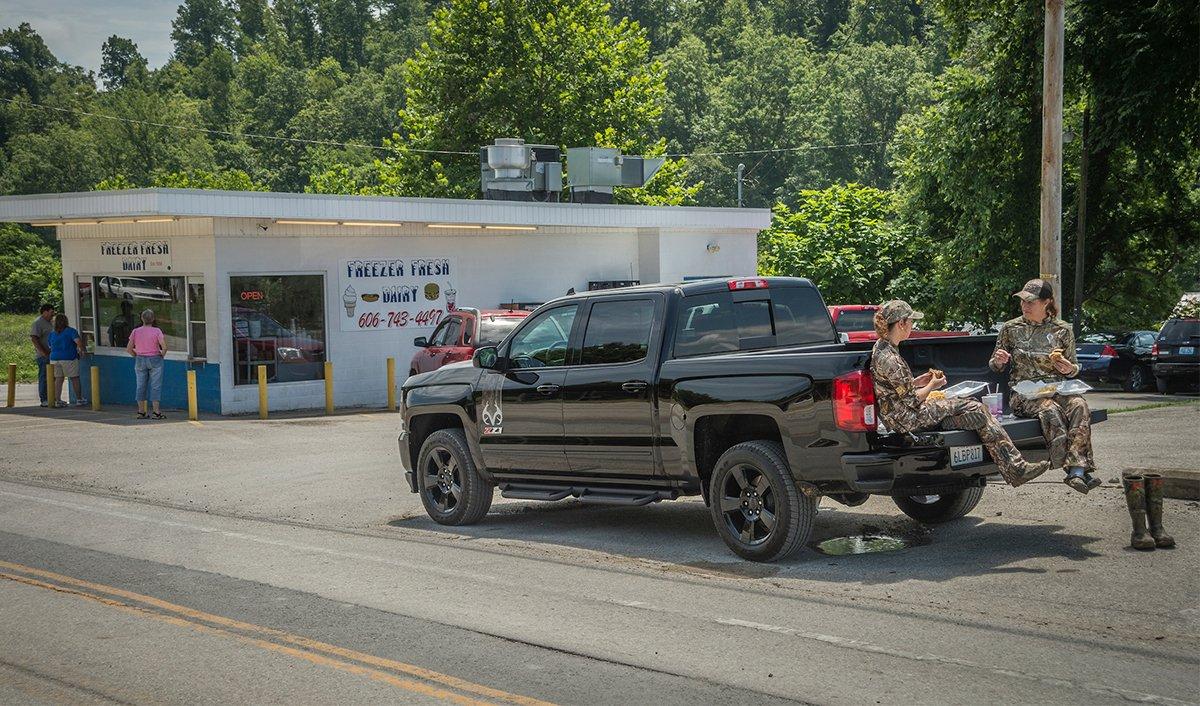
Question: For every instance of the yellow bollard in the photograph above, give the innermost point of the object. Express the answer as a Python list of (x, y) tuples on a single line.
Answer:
[(12, 384), (391, 379), (193, 413), (328, 387), (95, 388), (262, 392), (51, 391)]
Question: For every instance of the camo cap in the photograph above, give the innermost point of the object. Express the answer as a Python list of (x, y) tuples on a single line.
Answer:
[(897, 310), (1035, 289)]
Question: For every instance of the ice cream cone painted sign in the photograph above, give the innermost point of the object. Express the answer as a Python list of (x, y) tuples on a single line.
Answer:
[(382, 294)]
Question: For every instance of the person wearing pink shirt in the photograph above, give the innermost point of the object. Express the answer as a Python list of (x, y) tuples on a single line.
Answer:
[(147, 345)]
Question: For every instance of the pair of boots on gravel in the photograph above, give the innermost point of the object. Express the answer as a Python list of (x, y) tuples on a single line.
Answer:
[(1144, 495)]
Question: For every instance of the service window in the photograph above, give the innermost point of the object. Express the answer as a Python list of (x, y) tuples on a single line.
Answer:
[(618, 332), (543, 342), (278, 322), (120, 302), (87, 312)]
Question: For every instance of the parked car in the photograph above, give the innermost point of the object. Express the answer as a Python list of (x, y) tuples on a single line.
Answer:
[(735, 390), (459, 334), (1124, 357), (131, 288), (1177, 355), (857, 322)]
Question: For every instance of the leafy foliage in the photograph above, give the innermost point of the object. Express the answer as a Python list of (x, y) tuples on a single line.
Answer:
[(30, 271)]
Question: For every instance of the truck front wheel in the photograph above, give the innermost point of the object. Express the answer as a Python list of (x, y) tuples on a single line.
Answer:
[(757, 508), (451, 489), (933, 509)]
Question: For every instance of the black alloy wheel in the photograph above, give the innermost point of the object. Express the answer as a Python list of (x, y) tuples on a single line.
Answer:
[(451, 488), (1138, 380), (748, 505), (756, 505)]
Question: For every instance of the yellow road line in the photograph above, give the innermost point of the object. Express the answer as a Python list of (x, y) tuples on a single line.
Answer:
[(307, 643)]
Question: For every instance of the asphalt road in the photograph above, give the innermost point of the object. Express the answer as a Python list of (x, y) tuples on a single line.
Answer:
[(282, 561)]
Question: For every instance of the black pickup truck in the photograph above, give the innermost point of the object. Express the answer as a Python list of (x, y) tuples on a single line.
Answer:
[(737, 390)]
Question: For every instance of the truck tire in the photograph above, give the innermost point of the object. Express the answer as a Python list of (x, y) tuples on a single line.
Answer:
[(451, 488), (933, 509), (757, 509)]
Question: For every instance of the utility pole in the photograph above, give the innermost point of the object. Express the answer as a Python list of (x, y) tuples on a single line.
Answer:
[(740, 171), (1081, 226), (1050, 261)]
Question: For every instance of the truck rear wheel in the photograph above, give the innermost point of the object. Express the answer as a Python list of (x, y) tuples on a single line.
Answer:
[(939, 508), (451, 488), (758, 510)]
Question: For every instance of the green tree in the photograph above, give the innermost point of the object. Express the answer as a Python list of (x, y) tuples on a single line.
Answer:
[(30, 271), (147, 140), (199, 27), (849, 240), (121, 62), (26, 63)]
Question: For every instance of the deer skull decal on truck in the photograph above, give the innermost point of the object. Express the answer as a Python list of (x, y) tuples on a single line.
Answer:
[(491, 403)]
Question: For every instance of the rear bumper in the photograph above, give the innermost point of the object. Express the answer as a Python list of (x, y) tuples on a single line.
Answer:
[(1094, 369), (1173, 370), (925, 462)]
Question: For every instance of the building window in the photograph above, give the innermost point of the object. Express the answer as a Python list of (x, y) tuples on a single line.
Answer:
[(87, 312), (196, 319), (278, 322), (120, 301)]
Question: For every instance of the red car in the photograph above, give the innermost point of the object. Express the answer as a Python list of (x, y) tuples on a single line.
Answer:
[(460, 333), (857, 322)]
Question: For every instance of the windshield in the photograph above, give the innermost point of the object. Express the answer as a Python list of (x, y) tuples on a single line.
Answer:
[(493, 330), (861, 320)]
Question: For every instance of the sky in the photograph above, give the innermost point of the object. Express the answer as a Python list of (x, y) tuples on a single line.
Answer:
[(75, 29)]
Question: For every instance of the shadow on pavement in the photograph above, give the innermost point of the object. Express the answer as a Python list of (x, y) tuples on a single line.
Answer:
[(681, 534)]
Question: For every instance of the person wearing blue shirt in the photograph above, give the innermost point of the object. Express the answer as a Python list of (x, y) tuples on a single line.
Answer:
[(66, 348)]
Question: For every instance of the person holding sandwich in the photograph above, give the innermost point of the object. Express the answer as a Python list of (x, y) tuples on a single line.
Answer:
[(908, 404), (1041, 347)]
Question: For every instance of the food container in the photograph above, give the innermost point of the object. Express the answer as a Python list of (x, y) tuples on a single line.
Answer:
[(1039, 389), (967, 388)]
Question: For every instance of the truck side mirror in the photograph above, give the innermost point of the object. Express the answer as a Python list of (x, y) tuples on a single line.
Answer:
[(485, 358), (421, 342)]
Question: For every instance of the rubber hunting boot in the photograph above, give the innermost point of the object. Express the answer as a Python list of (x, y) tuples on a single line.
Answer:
[(1135, 498), (1154, 508)]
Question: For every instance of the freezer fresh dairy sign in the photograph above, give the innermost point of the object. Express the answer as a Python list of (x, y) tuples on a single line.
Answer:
[(380, 294), (138, 255)]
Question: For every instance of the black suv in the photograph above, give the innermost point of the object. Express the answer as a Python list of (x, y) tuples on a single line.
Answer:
[(1177, 355), (737, 390)]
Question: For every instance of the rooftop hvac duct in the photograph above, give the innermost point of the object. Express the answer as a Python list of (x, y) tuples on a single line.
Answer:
[(592, 172), (511, 170)]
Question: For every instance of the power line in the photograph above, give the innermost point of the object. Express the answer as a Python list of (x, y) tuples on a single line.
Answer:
[(332, 143)]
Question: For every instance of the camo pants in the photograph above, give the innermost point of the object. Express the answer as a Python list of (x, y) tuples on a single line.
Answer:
[(973, 416), (1066, 425)]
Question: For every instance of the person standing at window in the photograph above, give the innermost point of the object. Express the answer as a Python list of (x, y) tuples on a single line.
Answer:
[(121, 326), (147, 345), (66, 349), (39, 333)]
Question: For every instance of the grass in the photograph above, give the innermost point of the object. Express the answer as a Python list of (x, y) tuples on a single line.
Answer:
[(15, 346), (1152, 405)]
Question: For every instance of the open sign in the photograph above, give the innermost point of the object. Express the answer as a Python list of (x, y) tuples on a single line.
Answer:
[(253, 295)]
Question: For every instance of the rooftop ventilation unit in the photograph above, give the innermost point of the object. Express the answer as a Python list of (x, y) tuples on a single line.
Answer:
[(592, 172), (511, 170)]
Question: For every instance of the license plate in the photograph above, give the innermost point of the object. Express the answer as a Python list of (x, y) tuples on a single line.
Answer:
[(1187, 350), (966, 455)]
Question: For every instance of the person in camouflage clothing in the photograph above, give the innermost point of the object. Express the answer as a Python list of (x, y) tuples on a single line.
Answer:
[(1040, 346), (904, 404)]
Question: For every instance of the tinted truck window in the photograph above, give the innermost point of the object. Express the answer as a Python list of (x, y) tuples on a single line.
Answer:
[(618, 332), (714, 323)]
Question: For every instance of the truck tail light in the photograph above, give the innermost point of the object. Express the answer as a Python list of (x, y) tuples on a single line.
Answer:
[(1154, 350), (854, 401), (736, 285), (1108, 351)]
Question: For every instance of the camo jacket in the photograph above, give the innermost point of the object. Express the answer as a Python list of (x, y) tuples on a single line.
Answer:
[(1030, 344), (895, 392)]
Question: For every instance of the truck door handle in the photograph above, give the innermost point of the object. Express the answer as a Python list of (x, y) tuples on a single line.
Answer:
[(548, 389), (634, 386)]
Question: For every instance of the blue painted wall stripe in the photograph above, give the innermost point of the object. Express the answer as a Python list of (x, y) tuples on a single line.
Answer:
[(117, 385)]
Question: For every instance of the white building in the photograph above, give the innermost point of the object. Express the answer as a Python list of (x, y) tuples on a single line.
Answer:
[(239, 279)]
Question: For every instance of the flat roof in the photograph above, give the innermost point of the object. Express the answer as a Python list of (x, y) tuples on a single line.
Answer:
[(203, 203)]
